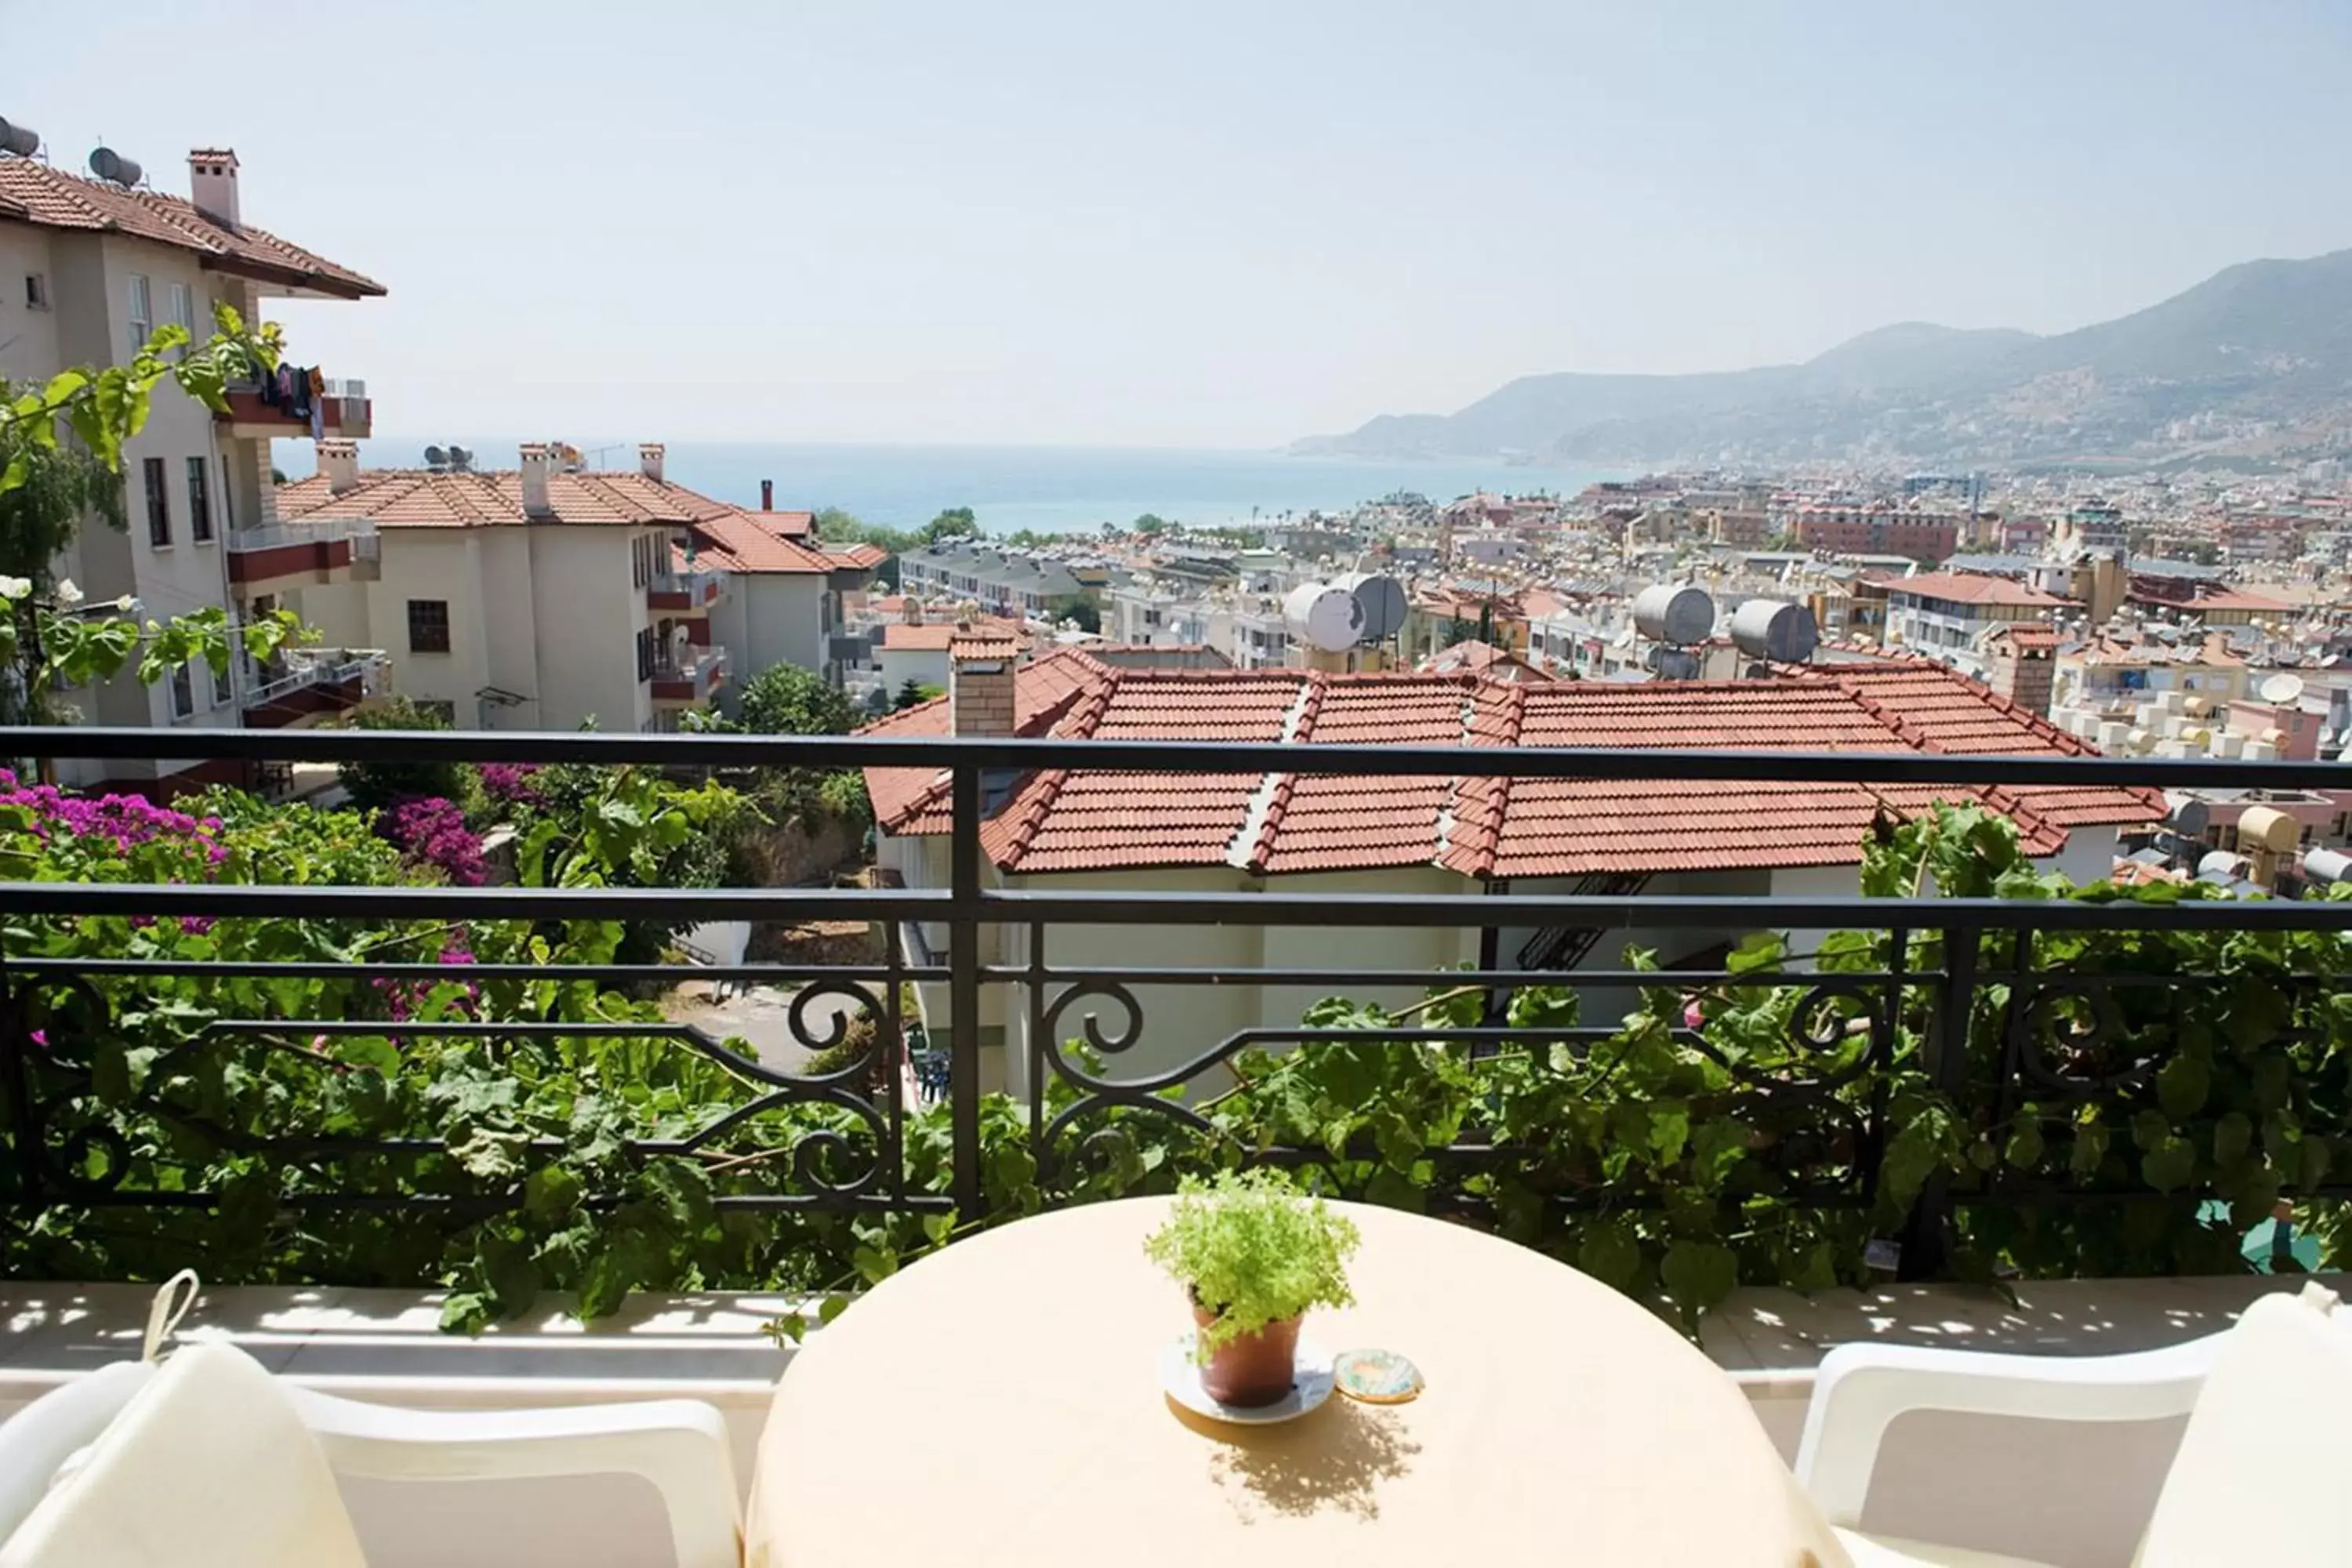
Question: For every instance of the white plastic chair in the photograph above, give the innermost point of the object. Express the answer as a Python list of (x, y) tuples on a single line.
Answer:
[(2257, 1478), (209, 1462)]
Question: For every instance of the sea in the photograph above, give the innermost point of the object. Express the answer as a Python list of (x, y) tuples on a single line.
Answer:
[(1050, 490)]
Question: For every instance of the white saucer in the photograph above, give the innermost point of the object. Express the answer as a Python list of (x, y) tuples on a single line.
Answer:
[(1310, 1385)]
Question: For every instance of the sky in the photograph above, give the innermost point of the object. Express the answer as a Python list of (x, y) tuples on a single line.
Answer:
[(1211, 224)]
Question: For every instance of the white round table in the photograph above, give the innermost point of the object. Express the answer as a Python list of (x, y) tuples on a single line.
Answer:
[(999, 1403)]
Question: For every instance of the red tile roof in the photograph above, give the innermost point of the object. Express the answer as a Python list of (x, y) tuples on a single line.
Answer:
[(418, 498), (934, 637), (750, 541), (2035, 634), (1973, 588), (724, 536), (1937, 708), (33, 192), (1063, 820)]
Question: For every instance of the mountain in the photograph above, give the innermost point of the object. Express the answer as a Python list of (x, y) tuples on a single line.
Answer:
[(2252, 367)]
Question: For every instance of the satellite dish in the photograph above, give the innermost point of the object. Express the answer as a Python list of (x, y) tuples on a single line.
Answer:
[(2280, 690), (435, 458), (112, 166), (21, 140)]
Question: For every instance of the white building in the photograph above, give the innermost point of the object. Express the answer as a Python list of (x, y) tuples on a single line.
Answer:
[(88, 269), (1945, 614), (547, 595)]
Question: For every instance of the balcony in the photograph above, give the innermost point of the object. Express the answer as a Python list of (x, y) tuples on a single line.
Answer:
[(344, 410), (301, 685), (685, 593), (1807, 1078), (314, 551), (691, 679)]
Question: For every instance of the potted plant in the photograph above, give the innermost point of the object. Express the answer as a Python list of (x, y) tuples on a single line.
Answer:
[(1254, 1254)]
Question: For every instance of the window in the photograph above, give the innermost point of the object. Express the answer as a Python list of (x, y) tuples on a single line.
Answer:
[(159, 504), (183, 308), (199, 506), (36, 290), (428, 626), (184, 689), (222, 681), (646, 653), (142, 313)]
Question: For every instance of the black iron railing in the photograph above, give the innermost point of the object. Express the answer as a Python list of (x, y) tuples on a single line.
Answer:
[(1825, 1120)]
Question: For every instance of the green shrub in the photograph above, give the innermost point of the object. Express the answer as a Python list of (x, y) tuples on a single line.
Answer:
[(375, 786)]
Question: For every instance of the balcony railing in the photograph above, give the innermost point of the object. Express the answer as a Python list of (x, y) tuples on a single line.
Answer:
[(691, 591), (277, 549), (691, 679), (301, 681), (344, 410), (1954, 995)]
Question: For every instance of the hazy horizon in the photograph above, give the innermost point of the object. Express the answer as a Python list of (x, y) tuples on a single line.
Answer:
[(1218, 229)]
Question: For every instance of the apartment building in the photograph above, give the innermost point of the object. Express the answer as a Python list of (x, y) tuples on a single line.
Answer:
[(1946, 613), (789, 596), (88, 269), (1001, 582), (548, 596), (1876, 530)]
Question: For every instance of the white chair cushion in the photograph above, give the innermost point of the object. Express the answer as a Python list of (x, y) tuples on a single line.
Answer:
[(1892, 1552), (2260, 1474), (208, 1467), (42, 1439)]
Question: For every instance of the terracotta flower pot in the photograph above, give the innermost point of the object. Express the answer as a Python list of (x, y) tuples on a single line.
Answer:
[(1252, 1368)]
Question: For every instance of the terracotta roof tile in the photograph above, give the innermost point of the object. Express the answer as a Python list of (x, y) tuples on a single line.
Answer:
[(1973, 588), (1485, 826), (419, 498), (36, 193), (933, 637)]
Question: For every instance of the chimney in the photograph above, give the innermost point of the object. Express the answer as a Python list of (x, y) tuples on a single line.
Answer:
[(211, 184), (536, 464), (339, 461), (2021, 664), (979, 686), (649, 460), (767, 495)]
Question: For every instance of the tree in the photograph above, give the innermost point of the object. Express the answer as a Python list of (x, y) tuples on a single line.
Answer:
[(785, 700), (60, 453), (955, 523), (1151, 525), (377, 785), (1458, 630), (913, 693), (1079, 608)]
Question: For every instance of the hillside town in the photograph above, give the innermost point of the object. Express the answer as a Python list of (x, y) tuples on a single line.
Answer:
[(1535, 1015)]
